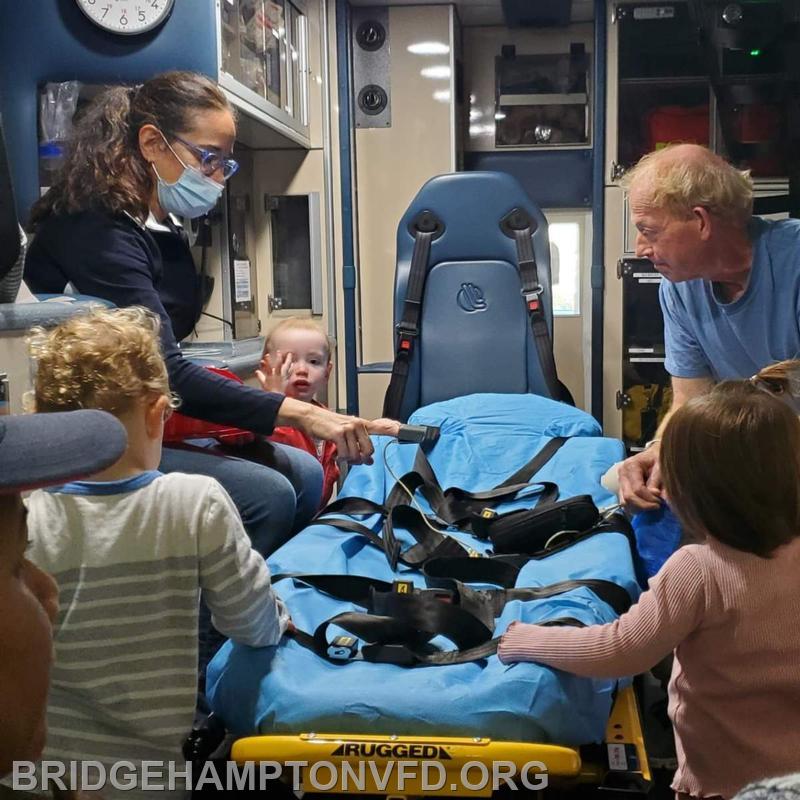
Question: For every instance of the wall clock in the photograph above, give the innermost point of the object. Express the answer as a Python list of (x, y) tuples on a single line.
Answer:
[(126, 17)]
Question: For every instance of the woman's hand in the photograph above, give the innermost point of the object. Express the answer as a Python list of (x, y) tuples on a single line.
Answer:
[(274, 377), (349, 434), (384, 427)]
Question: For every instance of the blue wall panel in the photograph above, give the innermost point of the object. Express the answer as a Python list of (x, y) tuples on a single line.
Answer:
[(52, 40), (552, 178)]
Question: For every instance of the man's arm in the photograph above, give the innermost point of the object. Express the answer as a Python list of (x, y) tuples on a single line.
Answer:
[(640, 475)]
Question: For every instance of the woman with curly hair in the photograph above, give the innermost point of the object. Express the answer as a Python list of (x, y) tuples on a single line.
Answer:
[(146, 152)]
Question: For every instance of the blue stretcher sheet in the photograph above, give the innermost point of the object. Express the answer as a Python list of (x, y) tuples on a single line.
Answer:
[(484, 439)]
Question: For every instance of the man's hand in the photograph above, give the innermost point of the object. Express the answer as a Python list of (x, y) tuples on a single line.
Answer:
[(349, 434), (640, 480), (274, 377)]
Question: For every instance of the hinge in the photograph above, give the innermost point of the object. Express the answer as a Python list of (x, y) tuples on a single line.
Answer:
[(274, 303), (622, 400), (617, 171), (5, 394)]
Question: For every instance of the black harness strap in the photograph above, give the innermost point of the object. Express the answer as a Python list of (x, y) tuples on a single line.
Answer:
[(425, 228), (459, 508), (520, 226)]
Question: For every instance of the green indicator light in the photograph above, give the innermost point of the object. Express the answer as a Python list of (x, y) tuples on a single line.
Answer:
[(755, 52)]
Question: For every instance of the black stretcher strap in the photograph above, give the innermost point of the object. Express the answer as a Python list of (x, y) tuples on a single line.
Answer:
[(401, 624), (454, 506), (503, 569)]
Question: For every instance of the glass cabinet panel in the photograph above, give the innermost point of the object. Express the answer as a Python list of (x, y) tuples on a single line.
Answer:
[(292, 248), (263, 48), (298, 107), (275, 53), (542, 100)]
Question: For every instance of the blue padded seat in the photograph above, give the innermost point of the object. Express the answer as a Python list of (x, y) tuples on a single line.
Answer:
[(474, 330)]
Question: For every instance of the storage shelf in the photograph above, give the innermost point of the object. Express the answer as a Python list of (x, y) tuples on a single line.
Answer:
[(685, 80), (543, 99)]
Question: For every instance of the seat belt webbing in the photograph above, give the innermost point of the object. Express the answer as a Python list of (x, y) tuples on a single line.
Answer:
[(532, 292), (408, 327)]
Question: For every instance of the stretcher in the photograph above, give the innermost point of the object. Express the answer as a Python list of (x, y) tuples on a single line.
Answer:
[(338, 694)]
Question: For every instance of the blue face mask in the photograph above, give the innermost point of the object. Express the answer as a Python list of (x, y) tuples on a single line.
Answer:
[(192, 195)]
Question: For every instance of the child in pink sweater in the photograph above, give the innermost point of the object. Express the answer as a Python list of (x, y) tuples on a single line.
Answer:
[(729, 608)]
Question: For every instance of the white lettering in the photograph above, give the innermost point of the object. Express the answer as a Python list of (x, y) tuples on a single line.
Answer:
[(23, 778), (209, 775), (381, 781), (541, 779), (359, 779), (484, 773), (313, 776), (152, 770), (175, 774), (403, 774), (128, 770), (91, 769), (58, 769), (503, 771), (296, 766), (427, 786), (267, 771), (246, 779)]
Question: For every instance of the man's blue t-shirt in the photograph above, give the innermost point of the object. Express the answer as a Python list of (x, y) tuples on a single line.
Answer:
[(708, 338)]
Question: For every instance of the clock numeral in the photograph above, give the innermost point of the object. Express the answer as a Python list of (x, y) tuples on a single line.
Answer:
[(142, 16), (106, 9), (123, 20), (92, 2), (155, 5)]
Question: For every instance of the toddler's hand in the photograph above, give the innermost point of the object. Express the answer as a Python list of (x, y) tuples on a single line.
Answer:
[(274, 377)]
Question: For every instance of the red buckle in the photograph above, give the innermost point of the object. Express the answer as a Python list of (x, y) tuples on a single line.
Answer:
[(405, 344), (533, 305)]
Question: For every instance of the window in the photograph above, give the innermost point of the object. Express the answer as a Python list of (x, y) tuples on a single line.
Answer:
[(566, 257)]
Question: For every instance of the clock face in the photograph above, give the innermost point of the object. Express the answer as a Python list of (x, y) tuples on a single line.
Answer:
[(127, 17)]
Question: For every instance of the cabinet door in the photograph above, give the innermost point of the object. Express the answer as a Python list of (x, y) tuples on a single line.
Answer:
[(662, 91)]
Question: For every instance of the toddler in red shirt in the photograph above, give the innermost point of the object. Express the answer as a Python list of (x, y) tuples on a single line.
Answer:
[(297, 362)]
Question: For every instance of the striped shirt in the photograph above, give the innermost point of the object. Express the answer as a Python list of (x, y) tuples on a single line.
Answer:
[(130, 558)]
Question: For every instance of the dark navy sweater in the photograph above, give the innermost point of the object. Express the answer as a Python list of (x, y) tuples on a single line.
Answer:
[(114, 258)]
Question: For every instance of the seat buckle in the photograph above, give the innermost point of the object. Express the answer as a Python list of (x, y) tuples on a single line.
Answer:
[(532, 297), (402, 587), (488, 513), (343, 648)]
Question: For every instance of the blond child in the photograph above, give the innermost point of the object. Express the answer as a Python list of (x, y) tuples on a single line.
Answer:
[(727, 607), (297, 362), (132, 549)]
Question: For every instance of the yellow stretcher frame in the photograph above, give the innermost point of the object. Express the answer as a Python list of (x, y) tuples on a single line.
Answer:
[(626, 764)]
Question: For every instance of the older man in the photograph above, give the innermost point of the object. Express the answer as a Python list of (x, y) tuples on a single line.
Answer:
[(731, 298)]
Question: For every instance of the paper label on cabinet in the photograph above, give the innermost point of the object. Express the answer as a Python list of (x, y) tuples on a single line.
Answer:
[(241, 281)]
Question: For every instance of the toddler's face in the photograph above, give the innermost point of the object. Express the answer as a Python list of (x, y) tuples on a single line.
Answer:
[(310, 364)]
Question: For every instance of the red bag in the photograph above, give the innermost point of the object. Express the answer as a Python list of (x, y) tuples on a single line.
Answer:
[(669, 124), (180, 427)]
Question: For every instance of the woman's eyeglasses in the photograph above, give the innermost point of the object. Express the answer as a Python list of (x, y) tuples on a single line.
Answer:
[(210, 160)]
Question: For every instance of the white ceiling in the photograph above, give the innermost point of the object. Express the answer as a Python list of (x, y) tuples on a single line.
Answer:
[(483, 12)]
